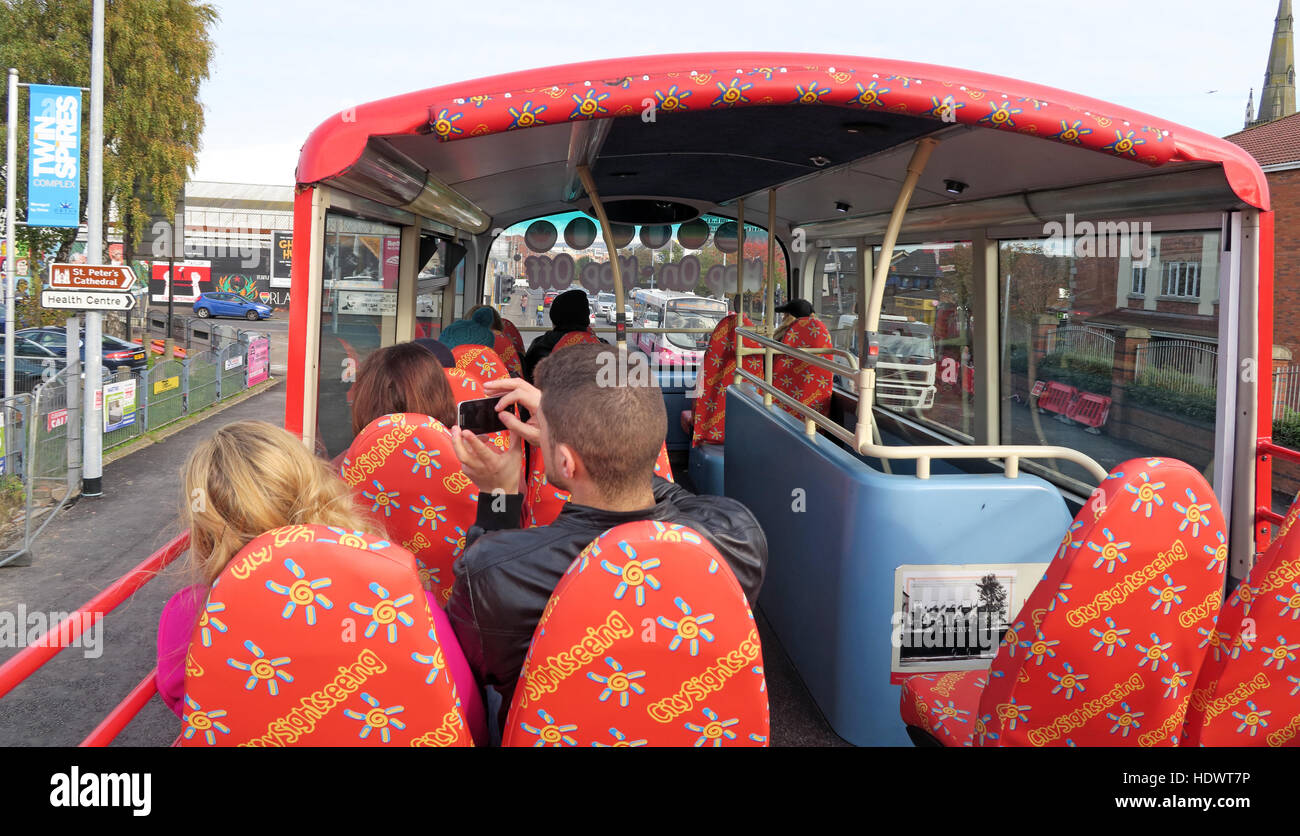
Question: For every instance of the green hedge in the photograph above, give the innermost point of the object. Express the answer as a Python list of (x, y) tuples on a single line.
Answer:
[(1197, 407), (1286, 430), (1087, 375)]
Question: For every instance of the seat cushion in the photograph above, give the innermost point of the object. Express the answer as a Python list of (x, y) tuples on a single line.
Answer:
[(946, 706)]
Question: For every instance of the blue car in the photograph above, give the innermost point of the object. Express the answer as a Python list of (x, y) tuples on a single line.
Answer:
[(229, 304)]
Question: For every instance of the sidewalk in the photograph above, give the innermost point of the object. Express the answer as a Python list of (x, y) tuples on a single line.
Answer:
[(83, 551)]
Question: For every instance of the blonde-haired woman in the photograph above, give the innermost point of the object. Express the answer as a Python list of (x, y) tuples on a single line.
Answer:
[(245, 479)]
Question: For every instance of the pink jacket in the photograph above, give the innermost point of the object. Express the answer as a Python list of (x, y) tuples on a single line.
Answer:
[(181, 614)]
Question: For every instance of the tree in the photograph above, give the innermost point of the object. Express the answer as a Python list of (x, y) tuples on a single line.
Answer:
[(993, 598), (156, 55)]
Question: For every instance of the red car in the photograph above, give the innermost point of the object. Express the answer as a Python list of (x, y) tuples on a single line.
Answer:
[(550, 297)]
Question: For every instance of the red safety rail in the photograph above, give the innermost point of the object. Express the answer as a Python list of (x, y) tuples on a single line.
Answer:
[(1264, 515), (121, 716), (1057, 398), (28, 660), (1039, 386), (1089, 409)]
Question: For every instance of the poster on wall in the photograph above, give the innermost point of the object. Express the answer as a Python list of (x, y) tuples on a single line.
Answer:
[(281, 258), (119, 405), (952, 618), (191, 278), (367, 302)]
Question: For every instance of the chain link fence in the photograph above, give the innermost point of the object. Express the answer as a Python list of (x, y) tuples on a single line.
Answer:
[(40, 439)]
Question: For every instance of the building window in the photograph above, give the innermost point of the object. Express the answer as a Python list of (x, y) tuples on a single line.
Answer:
[(1181, 279), (1139, 281)]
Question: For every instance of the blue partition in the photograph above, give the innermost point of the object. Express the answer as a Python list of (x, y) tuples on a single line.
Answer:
[(829, 590), (707, 469), (675, 385)]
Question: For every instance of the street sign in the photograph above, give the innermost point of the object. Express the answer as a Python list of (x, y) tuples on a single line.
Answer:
[(100, 277), (83, 300)]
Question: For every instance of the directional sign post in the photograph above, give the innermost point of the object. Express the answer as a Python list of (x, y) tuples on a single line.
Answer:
[(86, 300), (110, 278)]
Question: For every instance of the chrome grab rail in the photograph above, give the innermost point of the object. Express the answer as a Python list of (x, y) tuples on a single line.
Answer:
[(861, 441)]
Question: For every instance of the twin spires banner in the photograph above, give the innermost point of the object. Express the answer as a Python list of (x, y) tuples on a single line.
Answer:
[(54, 156)]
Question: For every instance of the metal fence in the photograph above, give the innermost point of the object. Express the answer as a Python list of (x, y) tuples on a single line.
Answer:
[(1178, 365), (1082, 343), (1286, 392)]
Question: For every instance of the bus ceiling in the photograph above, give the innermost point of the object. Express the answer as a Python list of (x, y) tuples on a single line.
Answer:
[(831, 133)]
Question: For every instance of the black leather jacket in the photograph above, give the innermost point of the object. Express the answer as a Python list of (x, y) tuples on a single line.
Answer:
[(505, 577)]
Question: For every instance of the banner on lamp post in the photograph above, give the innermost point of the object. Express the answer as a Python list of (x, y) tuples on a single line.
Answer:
[(54, 157)]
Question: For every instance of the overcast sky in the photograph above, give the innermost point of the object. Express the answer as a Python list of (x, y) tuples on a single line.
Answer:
[(282, 67)]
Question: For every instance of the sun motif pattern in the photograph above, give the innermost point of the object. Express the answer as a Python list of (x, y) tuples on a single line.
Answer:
[(1247, 693), (719, 369), (475, 366), (807, 384), (309, 671), (424, 506), (1106, 647), (681, 665)]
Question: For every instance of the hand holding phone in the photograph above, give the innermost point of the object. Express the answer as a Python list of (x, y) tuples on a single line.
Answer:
[(479, 416)]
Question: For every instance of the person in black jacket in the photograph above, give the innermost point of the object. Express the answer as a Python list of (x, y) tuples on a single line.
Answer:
[(600, 444), (569, 312)]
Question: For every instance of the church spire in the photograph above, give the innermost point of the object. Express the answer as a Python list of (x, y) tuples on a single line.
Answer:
[(1278, 97), (1250, 109)]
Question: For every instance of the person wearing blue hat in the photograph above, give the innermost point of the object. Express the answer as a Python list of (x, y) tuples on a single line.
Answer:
[(475, 330)]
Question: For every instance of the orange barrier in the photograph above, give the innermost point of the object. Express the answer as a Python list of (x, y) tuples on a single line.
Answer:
[(121, 716), (157, 346), (28, 660)]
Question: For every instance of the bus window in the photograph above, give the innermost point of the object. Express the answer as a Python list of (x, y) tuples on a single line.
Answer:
[(358, 315), (437, 256), (1123, 349), (926, 336)]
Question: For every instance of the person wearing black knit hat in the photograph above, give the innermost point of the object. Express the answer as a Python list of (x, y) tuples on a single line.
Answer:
[(569, 312)]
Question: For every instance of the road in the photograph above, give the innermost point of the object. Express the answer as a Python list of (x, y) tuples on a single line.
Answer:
[(277, 328)]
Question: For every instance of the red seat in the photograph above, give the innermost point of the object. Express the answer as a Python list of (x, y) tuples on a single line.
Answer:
[(1248, 694), (708, 421), (576, 338), (505, 349), (404, 471), (512, 333), (321, 637), (476, 365), (647, 640), (805, 383), (1106, 647), (543, 502)]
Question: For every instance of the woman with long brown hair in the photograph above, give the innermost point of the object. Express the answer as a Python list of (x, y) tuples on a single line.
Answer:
[(401, 378)]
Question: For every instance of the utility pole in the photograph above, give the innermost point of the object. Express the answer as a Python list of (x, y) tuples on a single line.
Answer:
[(93, 437)]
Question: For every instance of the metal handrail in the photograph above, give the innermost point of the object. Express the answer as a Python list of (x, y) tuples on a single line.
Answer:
[(125, 711), (862, 442)]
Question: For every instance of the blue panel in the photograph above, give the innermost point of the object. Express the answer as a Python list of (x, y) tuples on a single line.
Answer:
[(676, 384), (830, 581), (706, 469)]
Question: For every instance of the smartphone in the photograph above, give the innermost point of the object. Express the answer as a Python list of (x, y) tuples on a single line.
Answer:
[(479, 416)]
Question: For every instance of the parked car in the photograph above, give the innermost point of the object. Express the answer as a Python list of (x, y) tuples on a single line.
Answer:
[(115, 352), (550, 297), (229, 304), (34, 363)]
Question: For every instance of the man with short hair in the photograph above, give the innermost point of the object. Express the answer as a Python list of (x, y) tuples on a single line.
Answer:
[(600, 443)]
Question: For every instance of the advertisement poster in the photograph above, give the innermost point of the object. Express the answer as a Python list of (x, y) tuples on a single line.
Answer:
[(190, 276), (259, 360), (54, 156), (392, 256), (952, 618), (119, 405), (368, 302), (281, 258)]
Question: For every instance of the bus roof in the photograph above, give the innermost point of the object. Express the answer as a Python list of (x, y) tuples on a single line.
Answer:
[(708, 129)]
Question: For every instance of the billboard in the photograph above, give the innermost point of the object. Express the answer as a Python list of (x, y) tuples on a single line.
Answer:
[(281, 258), (54, 157)]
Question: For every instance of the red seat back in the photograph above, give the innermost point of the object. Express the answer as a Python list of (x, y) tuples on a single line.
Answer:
[(403, 470), (505, 349), (576, 338), (1248, 693), (718, 368), (1107, 646), (321, 637), (807, 384), (512, 333), (647, 640), (543, 502), (476, 365)]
